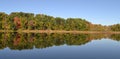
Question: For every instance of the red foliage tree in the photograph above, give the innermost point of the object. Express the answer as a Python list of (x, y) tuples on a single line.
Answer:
[(17, 22)]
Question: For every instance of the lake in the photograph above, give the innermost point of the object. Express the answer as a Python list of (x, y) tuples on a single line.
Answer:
[(59, 46)]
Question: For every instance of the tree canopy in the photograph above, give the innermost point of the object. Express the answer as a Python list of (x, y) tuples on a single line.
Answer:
[(30, 21)]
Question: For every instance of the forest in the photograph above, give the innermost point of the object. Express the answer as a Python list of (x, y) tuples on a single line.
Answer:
[(31, 21)]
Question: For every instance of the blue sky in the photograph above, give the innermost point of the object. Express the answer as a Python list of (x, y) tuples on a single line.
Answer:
[(105, 12)]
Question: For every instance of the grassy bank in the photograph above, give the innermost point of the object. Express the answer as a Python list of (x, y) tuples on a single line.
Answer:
[(60, 31)]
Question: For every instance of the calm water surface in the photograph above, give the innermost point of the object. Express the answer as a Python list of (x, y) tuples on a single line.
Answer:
[(59, 46)]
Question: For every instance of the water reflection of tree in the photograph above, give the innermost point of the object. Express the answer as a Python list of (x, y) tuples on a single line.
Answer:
[(115, 37), (20, 41)]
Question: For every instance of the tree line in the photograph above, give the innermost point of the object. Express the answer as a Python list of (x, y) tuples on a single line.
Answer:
[(30, 21)]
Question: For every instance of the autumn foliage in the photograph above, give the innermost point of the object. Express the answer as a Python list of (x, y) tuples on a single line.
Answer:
[(29, 21)]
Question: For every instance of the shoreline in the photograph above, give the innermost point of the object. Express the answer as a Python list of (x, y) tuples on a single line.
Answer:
[(62, 31)]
